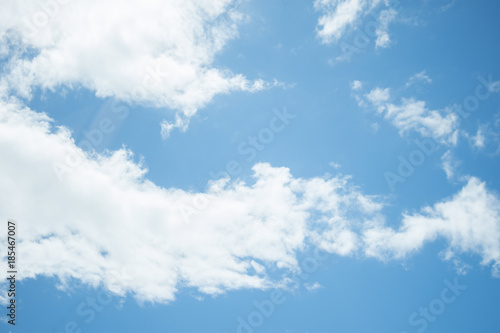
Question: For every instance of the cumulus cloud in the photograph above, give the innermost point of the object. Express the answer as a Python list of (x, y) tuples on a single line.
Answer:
[(156, 53), (338, 16), (378, 96), (98, 219), (469, 222), (442, 125), (412, 115)]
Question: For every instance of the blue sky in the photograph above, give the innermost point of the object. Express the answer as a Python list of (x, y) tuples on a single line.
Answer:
[(252, 166)]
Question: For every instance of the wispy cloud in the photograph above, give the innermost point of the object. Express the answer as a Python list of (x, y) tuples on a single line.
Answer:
[(311, 287), (383, 38), (449, 164), (419, 77)]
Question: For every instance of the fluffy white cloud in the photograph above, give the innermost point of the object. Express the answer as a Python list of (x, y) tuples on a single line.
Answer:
[(379, 96), (105, 223), (412, 115), (341, 15), (157, 53), (469, 221), (442, 125)]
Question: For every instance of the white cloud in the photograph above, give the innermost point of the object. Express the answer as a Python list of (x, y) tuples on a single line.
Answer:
[(419, 77), (441, 125), (156, 53), (167, 127), (379, 96), (382, 32), (487, 137), (311, 287), (413, 115), (356, 85), (105, 223), (449, 164), (469, 221), (334, 165), (479, 139), (341, 15)]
